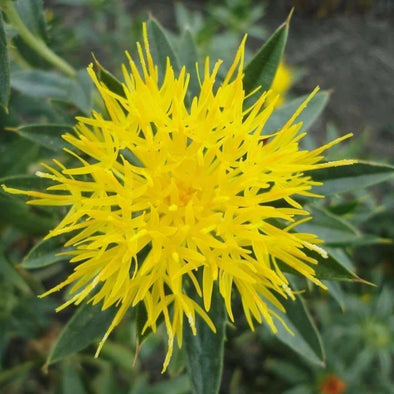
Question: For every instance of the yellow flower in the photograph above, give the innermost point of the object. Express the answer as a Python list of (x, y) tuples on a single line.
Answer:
[(162, 191), (281, 84)]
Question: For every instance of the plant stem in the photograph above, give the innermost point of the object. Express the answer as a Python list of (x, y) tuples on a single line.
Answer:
[(34, 42)]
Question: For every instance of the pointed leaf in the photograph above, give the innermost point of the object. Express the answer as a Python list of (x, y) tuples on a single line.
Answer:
[(45, 253), (189, 58), (262, 68), (109, 80), (280, 116), (71, 382), (331, 268), (25, 182), (88, 324), (9, 273), (50, 85), (204, 351), (177, 385), (342, 179), (336, 292), (332, 229), (161, 48), (326, 269), (4, 68), (32, 14), (49, 135), (16, 156), (306, 340), (14, 210)]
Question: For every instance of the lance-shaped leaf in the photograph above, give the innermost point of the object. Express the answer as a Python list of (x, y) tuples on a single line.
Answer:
[(88, 324), (262, 68), (10, 274), (50, 85), (331, 268), (311, 112), (45, 253), (335, 291), (109, 80), (16, 156), (160, 48), (31, 13), (329, 227), (306, 340), (328, 268), (204, 351), (26, 182), (342, 179), (188, 57), (71, 379), (49, 135), (14, 211), (4, 68)]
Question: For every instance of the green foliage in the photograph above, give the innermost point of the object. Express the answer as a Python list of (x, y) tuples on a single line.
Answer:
[(47, 135), (4, 69), (204, 351), (344, 179), (261, 70), (307, 116), (44, 84), (88, 324), (46, 95)]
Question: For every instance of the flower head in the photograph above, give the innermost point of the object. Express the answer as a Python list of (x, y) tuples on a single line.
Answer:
[(164, 191)]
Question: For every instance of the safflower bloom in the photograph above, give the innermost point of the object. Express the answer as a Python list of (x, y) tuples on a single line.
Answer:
[(163, 191)]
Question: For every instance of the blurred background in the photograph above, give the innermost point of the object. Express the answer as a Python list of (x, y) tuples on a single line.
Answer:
[(345, 47)]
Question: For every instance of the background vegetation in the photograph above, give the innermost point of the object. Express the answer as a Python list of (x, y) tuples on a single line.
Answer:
[(356, 321)]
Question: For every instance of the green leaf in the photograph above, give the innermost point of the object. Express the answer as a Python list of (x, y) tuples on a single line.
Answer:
[(109, 80), (4, 68), (10, 274), (287, 371), (178, 385), (262, 68), (336, 292), (15, 211), (280, 116), (50, 85), (341, 256), (119, 355), (189, 58), (45, 253), (344, 207), (161, 48), (328, 268), (331, 268), (71, 382), (332, 229), (306, 340), (16, 156), (48, 135), (342, 179), (204, 351), (32, 14), (88, 324)]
